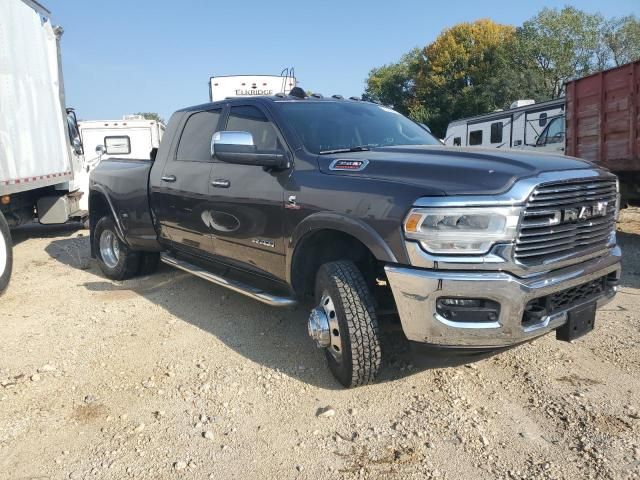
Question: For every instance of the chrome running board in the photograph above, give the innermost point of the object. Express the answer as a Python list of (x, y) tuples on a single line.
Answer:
[(236, 286)]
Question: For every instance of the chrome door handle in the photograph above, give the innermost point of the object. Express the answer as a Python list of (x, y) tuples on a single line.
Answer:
[(168, 178), (221, 183)]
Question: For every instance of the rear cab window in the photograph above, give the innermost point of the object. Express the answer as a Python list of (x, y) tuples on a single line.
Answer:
[(195, 141)]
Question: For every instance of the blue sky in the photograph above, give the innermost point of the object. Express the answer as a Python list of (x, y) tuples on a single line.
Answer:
[(124, 56)]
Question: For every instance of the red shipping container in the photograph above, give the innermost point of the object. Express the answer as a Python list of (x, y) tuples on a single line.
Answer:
[(603, 118)]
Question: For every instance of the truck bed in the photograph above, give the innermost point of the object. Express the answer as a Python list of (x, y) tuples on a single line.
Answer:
[(125, 183)]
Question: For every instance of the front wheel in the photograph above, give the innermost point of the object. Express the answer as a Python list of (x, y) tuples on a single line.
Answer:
[(345, 324), (116, 260), (6, 254)]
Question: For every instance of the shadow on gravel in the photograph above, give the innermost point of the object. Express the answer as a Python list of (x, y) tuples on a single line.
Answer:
[(268, 336), (630, 245), (73, 252), (36, 230)]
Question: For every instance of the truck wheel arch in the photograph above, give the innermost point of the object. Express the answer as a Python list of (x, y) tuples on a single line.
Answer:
[(351, 233), (100, 205)]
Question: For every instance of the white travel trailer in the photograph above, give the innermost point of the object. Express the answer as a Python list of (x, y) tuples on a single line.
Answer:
[(131, 137), (41, 154), (251, 85), (518, 127)]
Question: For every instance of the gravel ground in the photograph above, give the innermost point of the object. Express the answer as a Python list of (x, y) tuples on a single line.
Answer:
[(167, 376)]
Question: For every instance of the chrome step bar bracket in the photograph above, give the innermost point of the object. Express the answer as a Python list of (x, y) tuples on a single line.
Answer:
[(236, 286)]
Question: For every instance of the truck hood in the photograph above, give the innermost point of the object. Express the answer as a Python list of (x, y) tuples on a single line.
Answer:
[(453, 170)]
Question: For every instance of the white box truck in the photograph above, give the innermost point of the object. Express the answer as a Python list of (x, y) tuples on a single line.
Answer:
[(41, 154), (222, 87), (132, 137)]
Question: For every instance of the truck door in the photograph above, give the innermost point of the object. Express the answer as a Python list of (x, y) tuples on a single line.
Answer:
[(246, 218), (183, 193)]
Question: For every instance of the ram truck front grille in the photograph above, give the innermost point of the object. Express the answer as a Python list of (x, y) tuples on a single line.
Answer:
[(566, 218)]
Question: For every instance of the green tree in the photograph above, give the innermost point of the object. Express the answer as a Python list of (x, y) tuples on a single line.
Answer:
[(460, 78), (394, 84), (558, 45), (451, 76), (621, 37), (151, 116), (475, 68)]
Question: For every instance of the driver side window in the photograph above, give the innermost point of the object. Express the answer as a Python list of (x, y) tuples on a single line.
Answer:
[(250, 119)]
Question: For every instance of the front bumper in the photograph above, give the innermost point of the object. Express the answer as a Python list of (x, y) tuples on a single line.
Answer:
[(416, 292)]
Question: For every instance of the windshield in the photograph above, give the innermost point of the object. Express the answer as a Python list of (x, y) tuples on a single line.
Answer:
[(329, 126)]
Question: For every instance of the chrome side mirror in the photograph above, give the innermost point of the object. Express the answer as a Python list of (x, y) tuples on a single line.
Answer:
[(231, 138), (100, 150), (238, 148), (77, 146)]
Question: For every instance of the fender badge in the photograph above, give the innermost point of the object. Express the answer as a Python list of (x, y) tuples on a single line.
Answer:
[(264, 243), (350, 165)]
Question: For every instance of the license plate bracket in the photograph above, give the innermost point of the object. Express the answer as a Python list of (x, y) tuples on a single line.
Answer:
[(580, 321)]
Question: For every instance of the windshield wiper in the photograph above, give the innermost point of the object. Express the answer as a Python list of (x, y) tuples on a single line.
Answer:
[(359, 148)]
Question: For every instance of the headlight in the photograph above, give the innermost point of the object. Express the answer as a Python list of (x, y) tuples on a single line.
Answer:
[(462, 230)]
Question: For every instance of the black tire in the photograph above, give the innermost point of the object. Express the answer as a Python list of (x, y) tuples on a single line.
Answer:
[(148, 263), (361, 355), (128, 261), (6, 255)]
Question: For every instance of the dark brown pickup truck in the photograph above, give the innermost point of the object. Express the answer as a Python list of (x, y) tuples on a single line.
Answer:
[(352, 204)]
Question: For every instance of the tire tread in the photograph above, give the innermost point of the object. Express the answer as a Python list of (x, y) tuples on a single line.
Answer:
[(360, 315)]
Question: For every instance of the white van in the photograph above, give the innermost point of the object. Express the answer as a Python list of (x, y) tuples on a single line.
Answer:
[(518, 127)]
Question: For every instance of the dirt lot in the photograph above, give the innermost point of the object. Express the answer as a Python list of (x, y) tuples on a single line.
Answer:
[(167, 376)]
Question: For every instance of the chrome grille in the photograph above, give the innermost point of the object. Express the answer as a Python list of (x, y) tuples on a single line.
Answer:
[(549, 229)]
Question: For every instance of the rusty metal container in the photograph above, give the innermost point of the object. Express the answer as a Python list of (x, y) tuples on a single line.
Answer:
[(603, 118)]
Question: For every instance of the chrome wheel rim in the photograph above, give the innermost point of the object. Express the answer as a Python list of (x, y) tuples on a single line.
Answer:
[(109, 248), (335, 342), (318, 328), (3, 254)]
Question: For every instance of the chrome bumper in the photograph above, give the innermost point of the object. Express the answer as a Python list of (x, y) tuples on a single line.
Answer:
[(416, 292)]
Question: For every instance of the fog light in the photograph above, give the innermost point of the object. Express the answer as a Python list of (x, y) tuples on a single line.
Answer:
[(461, 302), (468, 309)]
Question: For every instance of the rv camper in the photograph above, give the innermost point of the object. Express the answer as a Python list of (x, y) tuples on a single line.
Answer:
[(251, 85), (131, 137), (517, 127)]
